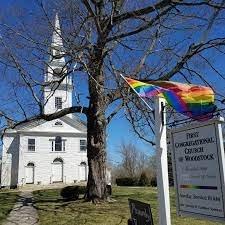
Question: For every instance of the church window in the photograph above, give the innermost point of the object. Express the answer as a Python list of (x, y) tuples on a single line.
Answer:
[(58, 144), (83, 164), (58, 102), (31, 145), (58, 123), (83, 145), (57, 72), (58, 160), (57, 53), (30, 164)]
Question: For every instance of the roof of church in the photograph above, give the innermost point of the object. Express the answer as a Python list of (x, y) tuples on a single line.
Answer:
[(73, 122)]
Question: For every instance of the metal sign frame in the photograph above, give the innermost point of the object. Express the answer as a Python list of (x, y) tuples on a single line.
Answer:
[(221, 161)]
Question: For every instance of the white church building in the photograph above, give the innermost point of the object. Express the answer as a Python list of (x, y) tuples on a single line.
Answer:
[(43, 152)]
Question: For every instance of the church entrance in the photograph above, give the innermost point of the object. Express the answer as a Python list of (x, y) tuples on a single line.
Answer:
[(57, 170), (83, 171), (30, 173)]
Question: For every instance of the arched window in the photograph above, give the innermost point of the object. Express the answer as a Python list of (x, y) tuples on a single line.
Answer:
[(57, 72), (57, 54), (30, 164), (58, 160), (58, 144)]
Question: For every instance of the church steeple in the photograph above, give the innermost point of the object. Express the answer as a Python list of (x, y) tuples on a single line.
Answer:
[(62, 97), (57, 50)]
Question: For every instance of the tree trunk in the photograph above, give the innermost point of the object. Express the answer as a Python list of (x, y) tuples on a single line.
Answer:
[(96, 134), (96, 186)]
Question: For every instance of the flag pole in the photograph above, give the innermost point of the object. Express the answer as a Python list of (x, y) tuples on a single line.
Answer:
[(137, 94), (162, 162)]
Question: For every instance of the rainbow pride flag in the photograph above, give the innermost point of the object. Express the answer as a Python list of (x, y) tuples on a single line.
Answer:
[(191, 100)]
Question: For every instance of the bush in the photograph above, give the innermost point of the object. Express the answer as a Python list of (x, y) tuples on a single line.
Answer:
[(72, 192), (126, 181), (143, 181), (82, 190), (153, 181)]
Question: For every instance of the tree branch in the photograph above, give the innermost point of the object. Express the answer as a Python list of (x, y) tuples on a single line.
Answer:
[(52, 116), (109, 118), (140, 12), (141, 28), (192, 50)]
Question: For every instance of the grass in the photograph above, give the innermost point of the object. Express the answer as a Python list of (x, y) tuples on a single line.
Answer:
[(7, 201), (52, 210)]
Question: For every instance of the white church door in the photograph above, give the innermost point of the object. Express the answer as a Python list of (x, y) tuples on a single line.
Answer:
[(30, 173), (57, 170), (83, 171)]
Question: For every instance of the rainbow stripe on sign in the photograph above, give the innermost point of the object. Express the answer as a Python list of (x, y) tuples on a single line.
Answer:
[(194, 101), (198, 187)]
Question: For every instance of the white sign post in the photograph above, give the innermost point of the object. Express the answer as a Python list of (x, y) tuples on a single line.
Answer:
[(161, 157), (162, 165), (198, 164)]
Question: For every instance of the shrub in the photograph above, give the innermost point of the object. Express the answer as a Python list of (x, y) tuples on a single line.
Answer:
[(143, 181), (126, 181), (72, 192), (82, 190), (153, 181)]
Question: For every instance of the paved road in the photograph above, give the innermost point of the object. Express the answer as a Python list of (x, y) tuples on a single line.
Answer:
[(23, 212)]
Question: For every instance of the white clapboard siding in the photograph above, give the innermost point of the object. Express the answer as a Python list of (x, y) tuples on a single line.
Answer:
[(43, 157)]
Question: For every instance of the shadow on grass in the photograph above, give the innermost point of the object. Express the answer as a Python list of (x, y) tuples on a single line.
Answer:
[(51, 206), (53, 209)]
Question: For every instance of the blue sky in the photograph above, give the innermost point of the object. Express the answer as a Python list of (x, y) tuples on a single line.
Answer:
[(119, 129)]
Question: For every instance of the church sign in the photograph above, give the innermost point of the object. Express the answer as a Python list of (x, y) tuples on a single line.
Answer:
[(140, 213), (198, 164)]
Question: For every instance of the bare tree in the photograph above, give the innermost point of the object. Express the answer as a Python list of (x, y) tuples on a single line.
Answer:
[(129, 154), (133, 162), (142, 39)]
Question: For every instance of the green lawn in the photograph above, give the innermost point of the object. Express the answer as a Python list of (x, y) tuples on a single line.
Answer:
[(52, 210), (7, 201)]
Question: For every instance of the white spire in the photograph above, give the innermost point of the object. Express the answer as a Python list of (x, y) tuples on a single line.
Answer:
[(57, 25), (56, 37), (62, 97)]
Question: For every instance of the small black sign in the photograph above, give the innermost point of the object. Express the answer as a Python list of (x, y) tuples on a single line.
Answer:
[(140, 213)]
